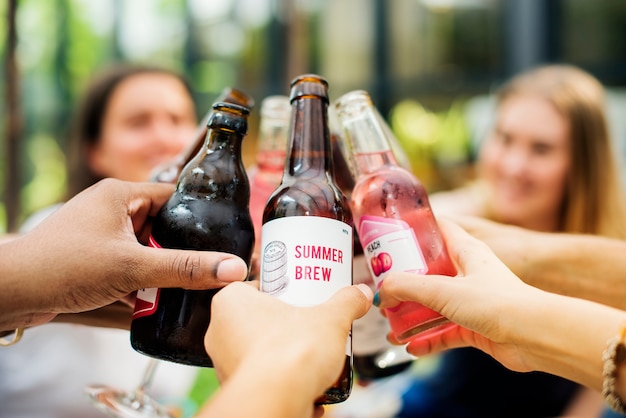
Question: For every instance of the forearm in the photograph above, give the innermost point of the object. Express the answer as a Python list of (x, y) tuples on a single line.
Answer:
[(262, 388), (7, 237), (566, 336), (19, 305), (581, 266)]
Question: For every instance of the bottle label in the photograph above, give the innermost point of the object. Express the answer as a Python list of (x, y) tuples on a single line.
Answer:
[(306, 259), (147, 299), (390, 245)]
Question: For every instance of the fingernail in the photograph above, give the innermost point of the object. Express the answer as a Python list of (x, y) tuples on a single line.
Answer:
[(232, 270), (376, 300), (365, 289)]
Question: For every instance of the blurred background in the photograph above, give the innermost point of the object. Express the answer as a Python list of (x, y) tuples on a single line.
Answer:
[(430, 66)]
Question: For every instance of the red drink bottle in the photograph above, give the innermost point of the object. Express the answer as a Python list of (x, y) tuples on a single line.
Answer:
[(207, 211), (270, 163), (306, 250), (392, 215)]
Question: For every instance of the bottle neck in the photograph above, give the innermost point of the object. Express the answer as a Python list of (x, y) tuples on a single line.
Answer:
[(218, 141), (272, 146), (364, 129), (309, 150), (217, 168)]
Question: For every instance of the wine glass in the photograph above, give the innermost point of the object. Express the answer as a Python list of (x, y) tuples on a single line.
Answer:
[(129, 404)]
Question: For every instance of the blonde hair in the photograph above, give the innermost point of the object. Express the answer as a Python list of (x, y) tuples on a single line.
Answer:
[(594, 201)]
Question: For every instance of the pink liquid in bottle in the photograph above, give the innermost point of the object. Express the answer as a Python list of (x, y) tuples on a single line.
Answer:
[(398, 232)]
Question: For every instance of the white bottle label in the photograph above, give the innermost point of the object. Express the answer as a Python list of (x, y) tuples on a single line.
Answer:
[(306, 259), (390, 245)]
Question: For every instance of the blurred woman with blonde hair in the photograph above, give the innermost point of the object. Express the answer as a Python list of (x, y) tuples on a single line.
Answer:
[(547, 165)]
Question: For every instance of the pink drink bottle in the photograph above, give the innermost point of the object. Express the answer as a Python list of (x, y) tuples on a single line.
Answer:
[(392, 215)]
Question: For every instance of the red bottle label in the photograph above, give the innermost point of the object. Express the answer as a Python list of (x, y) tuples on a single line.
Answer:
[(147, 299)]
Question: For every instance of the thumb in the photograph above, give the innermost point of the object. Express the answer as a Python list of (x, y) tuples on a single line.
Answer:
[(188, 269), (350, 303)]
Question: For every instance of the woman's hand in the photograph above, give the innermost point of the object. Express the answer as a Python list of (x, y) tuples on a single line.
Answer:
[(483, 299)]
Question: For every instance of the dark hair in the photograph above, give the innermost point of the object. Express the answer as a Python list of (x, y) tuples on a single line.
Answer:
[(86, 127)]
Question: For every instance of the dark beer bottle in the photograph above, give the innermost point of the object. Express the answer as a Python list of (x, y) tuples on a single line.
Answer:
[(306, 250), (170, 171), (207, 211)]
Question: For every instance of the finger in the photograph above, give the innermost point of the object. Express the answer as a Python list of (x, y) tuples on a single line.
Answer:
[(350, 303), (256, 283), (449, 338), (468, 223), (147, 200), (318, 411), (150, 197), (187, 269), (237, 291), (467, 252), (410, 287)]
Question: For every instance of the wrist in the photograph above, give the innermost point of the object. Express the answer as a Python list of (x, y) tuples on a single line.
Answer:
[(278, 389), (566, 336), (21, 297)]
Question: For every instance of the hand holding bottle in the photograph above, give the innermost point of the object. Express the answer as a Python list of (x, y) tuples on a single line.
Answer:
[(309, 341), (484, 289), (77, 260), (392, 215), (208, 211), (307, 224)]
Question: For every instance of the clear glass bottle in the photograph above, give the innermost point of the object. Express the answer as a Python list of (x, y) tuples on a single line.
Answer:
[(373, 356), (392, 215), (267, 173), (207, 211), (306, 250)]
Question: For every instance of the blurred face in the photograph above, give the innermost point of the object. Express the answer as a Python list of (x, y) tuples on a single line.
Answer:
[(150, 118), (525, 162)]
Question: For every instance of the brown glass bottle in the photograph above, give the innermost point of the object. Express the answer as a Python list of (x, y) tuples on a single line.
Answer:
[(170, 171), (208, 211), (306, 250)]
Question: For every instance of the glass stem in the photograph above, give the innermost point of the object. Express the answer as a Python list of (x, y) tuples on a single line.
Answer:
[(148, 374)]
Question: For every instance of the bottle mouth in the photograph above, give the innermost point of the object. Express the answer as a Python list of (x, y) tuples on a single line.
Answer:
[(231, 108), (352, 101), (309, 85), (276, 107), (229, 117)]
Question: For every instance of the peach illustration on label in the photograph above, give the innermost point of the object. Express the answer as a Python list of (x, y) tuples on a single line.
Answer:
[(385, 261), (377, 266)]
